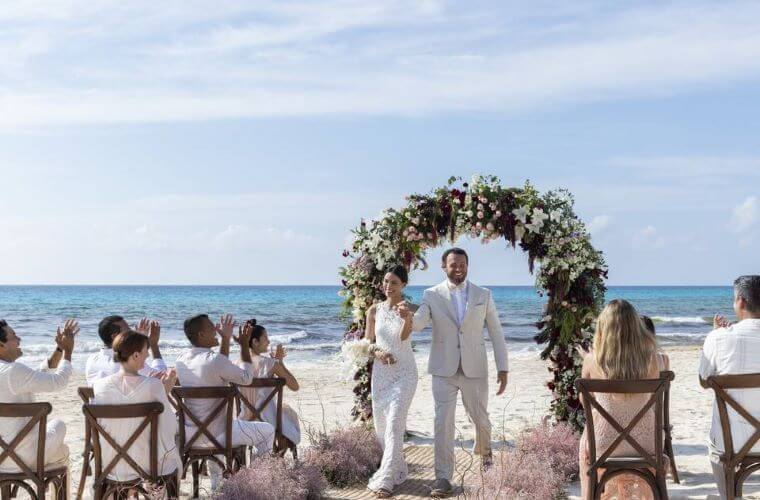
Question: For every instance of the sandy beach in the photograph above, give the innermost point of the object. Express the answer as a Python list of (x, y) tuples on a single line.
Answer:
[(324, 401)]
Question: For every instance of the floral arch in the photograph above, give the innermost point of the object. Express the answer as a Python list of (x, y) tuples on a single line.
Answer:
[(571, 272)]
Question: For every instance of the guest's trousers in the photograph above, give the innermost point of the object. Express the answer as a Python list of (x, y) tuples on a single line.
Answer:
[(475, 399)]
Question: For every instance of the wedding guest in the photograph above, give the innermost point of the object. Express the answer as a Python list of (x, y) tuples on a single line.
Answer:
[(649, 324), (623, 350), (266, 364), (200, 366), (732, 349), (101, 364), (128, 386), (19, 384)]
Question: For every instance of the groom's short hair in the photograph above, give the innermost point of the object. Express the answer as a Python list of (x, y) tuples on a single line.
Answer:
[(193, 326), (748, 288), (455, 251)]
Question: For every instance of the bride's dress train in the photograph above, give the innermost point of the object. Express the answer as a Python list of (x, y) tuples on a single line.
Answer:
[(393, 388)]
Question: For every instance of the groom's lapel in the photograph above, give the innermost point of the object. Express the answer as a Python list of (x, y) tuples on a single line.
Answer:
[(445, 294), (473, 295)]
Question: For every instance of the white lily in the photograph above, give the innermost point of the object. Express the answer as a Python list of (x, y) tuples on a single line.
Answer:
[(521, 213)]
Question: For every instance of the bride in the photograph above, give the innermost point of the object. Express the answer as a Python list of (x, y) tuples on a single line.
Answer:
[(394, 379)]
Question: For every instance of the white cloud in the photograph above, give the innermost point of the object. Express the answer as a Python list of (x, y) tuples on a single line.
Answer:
[(77, 62), (598, 224), (648, 239), (745, 215)]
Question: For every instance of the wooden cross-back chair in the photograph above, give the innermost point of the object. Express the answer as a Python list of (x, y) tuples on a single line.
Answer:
[(194, 451), (281, 444), (103, 486), (86, 394), (667, 428), (640, 464), (737, 465), (38, 475)]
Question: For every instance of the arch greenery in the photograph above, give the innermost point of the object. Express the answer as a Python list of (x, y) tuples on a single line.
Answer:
[(571, 273)]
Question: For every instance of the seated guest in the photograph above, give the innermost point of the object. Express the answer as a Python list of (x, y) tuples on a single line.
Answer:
[(650, 326), (265, 366), (623, 350), (732, 350), (101, 364), (199, 366), (128, 386), (19, 384)]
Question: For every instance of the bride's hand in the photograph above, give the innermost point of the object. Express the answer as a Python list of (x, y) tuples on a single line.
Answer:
[(385, 358)]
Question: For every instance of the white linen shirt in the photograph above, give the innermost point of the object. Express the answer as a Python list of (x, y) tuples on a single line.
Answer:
[(732, 351), (202, 367), (101, 365), (459, 298), (18, 384), (121, 389)]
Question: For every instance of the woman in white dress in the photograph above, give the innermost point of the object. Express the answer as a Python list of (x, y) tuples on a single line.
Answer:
[(130, 350), (394, 379), (268, 366)]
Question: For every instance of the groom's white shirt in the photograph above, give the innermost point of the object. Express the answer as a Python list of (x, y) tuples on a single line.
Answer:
[(458, 334)]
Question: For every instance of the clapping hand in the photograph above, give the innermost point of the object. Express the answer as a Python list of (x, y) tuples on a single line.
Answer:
[(64, 338), (244, 334), (226, 326), (169, 379), (142, 326), (154, 332), (278, 352), (720, 322)]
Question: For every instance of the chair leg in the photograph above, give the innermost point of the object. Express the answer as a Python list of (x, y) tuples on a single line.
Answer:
[(730, 484), (672, 458), (62, 492), (5, 492), (83, 477), (196, 473)]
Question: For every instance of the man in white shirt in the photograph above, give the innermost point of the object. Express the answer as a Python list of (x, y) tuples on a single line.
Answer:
[(732, 349), (19, 383), (199, 366), (101, 364)]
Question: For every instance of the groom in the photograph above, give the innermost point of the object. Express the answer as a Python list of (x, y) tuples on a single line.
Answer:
[(459, 311)]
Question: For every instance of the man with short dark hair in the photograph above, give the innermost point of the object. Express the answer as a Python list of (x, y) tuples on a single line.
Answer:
[(20, 383), (733, 349), (200, 366), (101, 364), (459, 311)]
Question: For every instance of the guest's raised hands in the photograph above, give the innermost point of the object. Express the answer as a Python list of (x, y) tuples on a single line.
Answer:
[(70, 327), (64, 337), (226, 326), (154, 332), (278, 352), (720, 321), (245, 331), (143, 326)]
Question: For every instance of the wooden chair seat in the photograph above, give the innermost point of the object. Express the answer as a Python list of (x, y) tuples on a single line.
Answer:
[(34, 479)]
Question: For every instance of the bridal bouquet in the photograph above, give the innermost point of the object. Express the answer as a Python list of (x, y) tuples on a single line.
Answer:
[(356, 354)]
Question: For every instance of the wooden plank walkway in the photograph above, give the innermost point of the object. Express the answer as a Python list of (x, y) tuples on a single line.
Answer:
[(421, 476)]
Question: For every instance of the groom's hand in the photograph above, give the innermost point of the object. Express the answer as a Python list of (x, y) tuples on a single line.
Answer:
[(501, 378)]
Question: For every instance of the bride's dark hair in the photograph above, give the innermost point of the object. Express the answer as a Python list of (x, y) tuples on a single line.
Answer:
[(401, 272)]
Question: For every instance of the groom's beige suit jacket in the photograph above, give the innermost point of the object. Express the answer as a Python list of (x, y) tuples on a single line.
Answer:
[(454, 344)]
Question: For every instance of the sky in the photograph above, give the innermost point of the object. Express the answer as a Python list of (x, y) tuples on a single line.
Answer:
[(187, 142)]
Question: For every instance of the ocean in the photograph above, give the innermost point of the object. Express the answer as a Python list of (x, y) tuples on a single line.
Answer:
[(306, 319)]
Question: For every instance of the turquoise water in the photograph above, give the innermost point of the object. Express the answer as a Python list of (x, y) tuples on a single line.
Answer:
[(306, 319)]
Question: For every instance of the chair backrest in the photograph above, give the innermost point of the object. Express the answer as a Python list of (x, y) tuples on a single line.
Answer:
[(721, 384), (37, 414), (149, 412), (275, 383), (656, 388), (225, 396), (86, 394)]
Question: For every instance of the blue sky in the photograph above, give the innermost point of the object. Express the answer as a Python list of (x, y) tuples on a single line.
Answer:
[(239, 143)]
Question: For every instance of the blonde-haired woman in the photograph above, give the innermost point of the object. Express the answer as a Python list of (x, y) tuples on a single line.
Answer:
[(623, 350)]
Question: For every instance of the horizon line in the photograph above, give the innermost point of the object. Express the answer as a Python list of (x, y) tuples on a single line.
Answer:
[(199, 285)]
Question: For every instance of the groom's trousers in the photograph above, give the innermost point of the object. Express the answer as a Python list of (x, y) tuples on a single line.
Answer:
[(475, 399)]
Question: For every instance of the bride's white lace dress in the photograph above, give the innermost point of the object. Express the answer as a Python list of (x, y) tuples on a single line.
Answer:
[(393, 388)]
